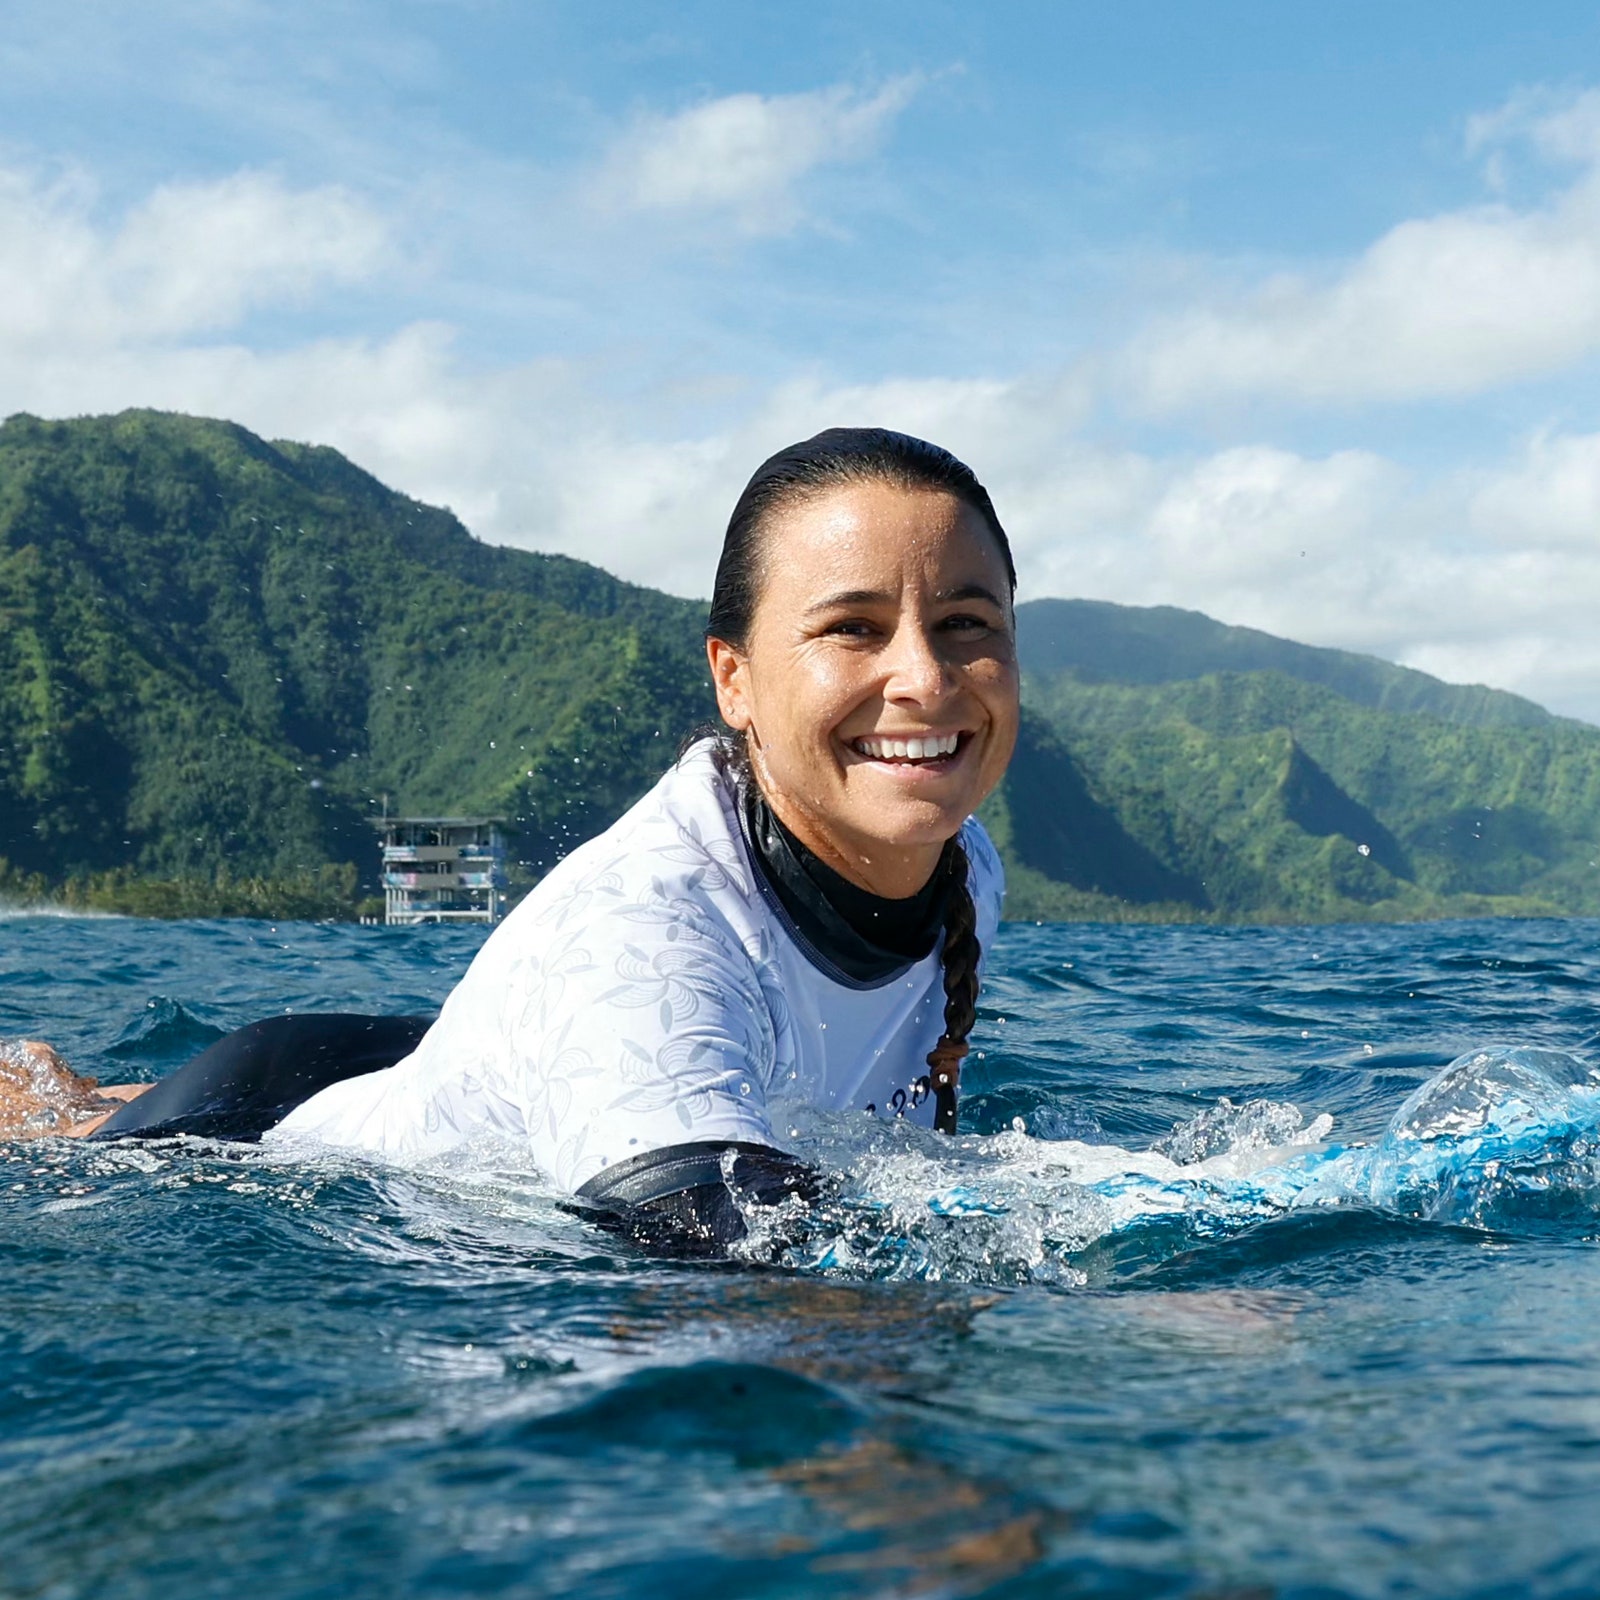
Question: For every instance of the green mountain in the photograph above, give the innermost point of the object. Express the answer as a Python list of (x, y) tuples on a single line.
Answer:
[(1293, 791), (1095, 641), (218, 656)]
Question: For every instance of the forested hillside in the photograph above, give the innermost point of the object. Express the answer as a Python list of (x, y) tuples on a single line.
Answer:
[(1094, 641), (1321, 786), (218, 655)]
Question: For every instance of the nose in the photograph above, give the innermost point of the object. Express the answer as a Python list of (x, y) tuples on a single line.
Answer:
[(916, 668)]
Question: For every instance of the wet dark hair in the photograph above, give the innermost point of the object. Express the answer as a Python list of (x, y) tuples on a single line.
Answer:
[(831, 460)]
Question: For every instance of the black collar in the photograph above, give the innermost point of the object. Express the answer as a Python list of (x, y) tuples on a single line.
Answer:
[(865, 936)]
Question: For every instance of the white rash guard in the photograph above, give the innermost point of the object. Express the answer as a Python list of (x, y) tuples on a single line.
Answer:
[(651, 992)]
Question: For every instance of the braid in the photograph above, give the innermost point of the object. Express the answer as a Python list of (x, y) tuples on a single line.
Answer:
[(961, 952)]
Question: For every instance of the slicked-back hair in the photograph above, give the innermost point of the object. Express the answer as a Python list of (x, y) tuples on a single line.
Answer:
[(829, 460), (834, 459)]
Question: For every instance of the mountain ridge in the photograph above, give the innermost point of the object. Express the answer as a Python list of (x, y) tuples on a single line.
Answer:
[(217, 652), (1168, 644)]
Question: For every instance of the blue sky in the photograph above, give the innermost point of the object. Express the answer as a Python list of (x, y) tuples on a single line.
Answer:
[(1288, 313)]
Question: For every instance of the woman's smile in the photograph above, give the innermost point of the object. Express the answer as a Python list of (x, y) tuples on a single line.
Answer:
[(913, 760), (910, 749)]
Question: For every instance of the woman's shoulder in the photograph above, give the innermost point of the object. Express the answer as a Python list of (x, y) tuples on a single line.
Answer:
[(675, 855)]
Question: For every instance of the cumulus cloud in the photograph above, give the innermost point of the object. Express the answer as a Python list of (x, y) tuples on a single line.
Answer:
[(1549, 497), (744, 154), (198, 256), (190, 258), (1448, 305)]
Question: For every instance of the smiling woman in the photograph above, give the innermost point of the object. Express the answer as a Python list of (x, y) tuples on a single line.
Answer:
[(861, 640), (794, 915)]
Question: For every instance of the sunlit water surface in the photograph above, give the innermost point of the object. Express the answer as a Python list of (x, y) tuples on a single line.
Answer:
[(1154, 1326)]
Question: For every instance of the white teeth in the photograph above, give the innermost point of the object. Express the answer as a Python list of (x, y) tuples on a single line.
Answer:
[(908, 749)]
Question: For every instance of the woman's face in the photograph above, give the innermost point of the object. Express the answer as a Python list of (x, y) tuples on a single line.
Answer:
[(879, 685)]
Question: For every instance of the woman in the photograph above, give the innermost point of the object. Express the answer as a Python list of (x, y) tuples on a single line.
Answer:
[(795, 913)]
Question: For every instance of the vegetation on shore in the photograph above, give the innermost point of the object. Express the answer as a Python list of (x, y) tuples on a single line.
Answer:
[(330, 892), (220, 656)]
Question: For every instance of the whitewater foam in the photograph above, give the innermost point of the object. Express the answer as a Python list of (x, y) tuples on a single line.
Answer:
[(1499, 1135)]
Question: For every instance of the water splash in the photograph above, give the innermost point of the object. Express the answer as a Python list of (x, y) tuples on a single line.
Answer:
[(39, 1094), (1498, 1135), (1501, 1137), (1225, 1128)]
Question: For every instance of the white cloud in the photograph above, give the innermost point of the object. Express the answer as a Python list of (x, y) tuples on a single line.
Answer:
[(744, 154), (1548, 499), (197, 256), (1559, 126), (1478, 577), (1448, 305), (1491, 574), (191, 258)]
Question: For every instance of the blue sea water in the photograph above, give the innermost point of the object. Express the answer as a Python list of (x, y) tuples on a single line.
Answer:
[(1150, 1327)]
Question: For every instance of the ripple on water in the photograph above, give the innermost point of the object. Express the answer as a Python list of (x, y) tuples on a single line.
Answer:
[(1046, 1360), (165, 1032)]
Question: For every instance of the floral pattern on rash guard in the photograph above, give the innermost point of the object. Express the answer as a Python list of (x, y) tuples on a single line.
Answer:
[(677, 1016), (646, 994)]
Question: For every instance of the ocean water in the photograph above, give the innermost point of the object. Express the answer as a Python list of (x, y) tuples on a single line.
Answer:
[(1267, 1268)]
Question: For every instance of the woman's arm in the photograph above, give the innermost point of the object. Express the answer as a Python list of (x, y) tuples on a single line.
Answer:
[(689, 1200)]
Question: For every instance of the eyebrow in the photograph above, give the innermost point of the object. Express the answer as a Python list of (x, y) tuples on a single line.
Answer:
[(969, 591), (879, 597)]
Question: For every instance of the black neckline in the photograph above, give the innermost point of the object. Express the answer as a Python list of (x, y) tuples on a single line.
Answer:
[(867, 937)]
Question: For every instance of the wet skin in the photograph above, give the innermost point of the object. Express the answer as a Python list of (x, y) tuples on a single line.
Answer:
[(40, 1094), (884, 613)]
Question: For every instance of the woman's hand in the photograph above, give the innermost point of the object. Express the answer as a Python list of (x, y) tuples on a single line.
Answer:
[(41, 1095)]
